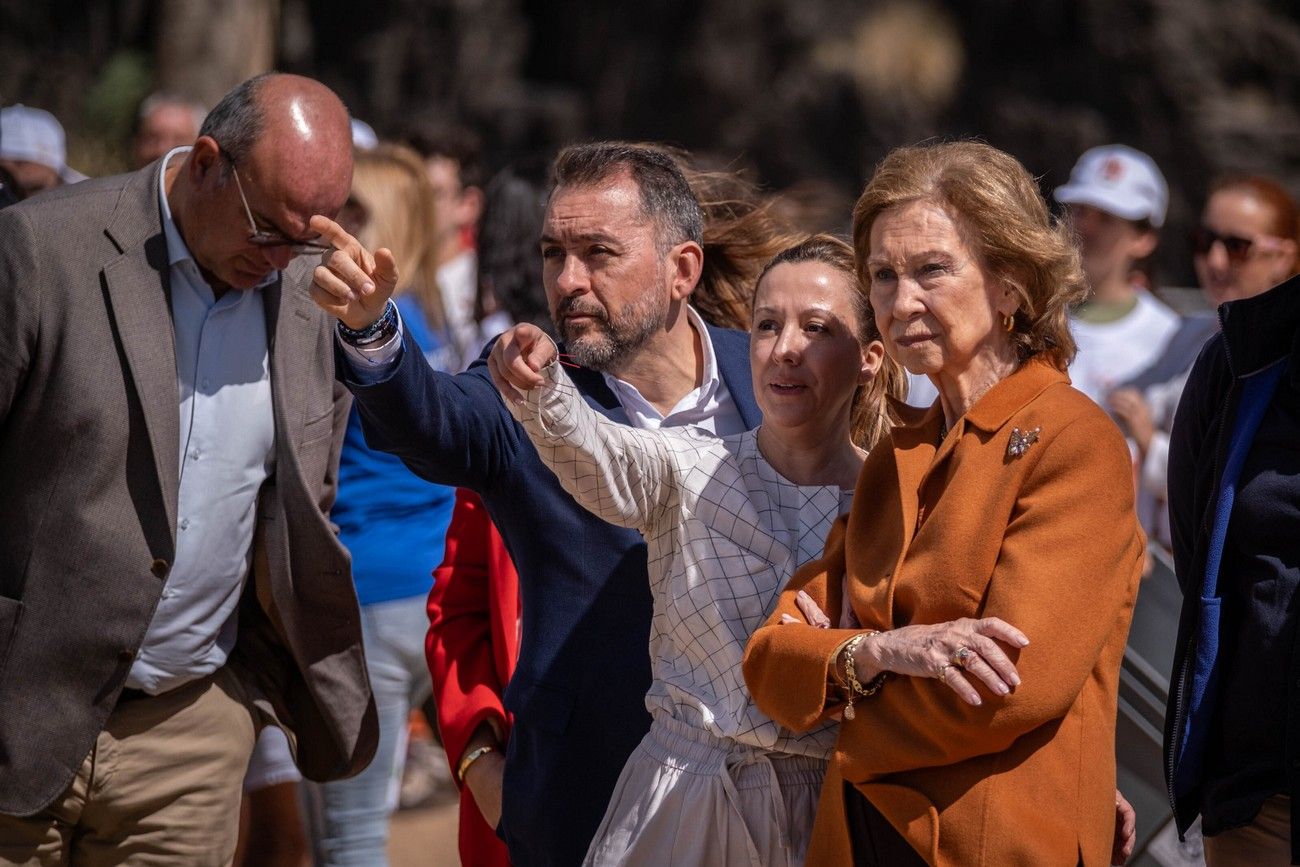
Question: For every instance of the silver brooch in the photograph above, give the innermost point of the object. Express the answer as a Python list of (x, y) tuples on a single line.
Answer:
[(1021, 441)]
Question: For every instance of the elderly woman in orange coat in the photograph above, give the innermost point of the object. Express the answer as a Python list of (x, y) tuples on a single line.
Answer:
[(1008, 506)]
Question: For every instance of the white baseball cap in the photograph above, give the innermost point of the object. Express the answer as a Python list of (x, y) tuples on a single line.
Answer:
[(35, 136), (1118, 180)]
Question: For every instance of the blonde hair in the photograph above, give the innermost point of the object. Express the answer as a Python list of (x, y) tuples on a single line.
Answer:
[(390, 184), (871, 416), (1006, 223)]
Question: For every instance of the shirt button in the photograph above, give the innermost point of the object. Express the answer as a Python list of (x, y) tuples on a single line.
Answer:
[(185, 523), (159, 568), (194, 454), (206, 382)]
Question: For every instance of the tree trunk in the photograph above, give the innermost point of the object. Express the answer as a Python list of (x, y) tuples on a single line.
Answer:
[(206, 47)]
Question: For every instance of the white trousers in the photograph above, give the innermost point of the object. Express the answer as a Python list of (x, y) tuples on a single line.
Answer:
[(688, 798)]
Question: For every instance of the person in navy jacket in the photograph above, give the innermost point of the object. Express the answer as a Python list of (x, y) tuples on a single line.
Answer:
[(622, 252), (1232, 743)]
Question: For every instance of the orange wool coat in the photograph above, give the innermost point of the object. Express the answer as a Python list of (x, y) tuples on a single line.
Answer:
[(1048, 541)]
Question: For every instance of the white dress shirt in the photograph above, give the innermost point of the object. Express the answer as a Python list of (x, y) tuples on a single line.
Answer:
[(227, 450)]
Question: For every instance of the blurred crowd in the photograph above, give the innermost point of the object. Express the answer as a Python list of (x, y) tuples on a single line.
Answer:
[(438, 592)]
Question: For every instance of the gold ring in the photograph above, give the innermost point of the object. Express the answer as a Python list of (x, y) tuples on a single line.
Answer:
[(961, 655), (943, 671)]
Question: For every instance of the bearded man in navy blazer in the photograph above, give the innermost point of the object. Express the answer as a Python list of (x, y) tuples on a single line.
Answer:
[(622, 251)]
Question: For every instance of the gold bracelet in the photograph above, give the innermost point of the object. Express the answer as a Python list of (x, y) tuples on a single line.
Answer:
[(470, 758), (856, 687)]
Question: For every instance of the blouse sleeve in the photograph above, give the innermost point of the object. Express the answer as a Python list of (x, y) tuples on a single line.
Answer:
[(621, 474)]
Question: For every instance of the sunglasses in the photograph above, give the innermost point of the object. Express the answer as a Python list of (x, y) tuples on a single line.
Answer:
[(1237, 247), (263, 238)]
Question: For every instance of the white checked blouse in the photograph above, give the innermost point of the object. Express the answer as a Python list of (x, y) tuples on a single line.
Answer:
[(725, 533)]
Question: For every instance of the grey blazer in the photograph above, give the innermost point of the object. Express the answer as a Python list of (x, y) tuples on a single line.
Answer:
[(88, 489)]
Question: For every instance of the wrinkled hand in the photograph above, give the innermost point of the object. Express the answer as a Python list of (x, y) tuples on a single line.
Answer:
[(516, 359), (931, 651), (1131, 408), (350, 283), (484, 779), (1125, 830)]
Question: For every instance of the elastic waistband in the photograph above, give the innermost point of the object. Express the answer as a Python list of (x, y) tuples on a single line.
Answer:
[(695, 750)]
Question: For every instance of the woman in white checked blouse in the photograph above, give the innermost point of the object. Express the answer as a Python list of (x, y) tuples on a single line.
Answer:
[(727, 522)]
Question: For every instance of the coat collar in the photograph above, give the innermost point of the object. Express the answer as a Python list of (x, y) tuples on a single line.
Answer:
[(916, 447), (1261, 330), (991, 411)]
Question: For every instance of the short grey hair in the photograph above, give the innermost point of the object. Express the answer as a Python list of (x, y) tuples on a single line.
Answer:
[(666, 196), (237, 120)]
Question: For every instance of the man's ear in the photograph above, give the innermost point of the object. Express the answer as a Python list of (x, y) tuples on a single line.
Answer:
[(686, 263), (1144, 244), (204, 159)]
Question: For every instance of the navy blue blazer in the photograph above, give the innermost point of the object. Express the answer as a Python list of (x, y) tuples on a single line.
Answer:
[(578, 693)]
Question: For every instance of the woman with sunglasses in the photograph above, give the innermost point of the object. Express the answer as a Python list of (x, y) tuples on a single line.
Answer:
[(1246, 241)]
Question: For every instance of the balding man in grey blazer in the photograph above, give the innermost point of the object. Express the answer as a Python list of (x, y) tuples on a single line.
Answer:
[(169, 442)]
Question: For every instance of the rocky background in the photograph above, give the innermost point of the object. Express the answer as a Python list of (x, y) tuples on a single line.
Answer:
[(807, 94)]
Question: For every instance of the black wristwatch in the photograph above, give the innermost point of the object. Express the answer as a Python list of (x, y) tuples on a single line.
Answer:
[(378, 332)]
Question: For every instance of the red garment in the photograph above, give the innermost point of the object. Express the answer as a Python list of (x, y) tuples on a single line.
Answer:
[(472, 646)]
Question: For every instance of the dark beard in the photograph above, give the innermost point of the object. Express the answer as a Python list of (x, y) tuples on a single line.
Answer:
[(605, 345)]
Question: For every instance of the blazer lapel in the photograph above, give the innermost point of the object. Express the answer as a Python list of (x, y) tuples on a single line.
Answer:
[(139, 292), (735, 373), (288, 328)]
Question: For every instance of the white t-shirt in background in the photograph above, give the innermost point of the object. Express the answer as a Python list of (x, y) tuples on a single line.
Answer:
[(1112, 353)]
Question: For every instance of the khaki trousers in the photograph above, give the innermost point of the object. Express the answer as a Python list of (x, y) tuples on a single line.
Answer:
[(161, 786), (1262, 843)]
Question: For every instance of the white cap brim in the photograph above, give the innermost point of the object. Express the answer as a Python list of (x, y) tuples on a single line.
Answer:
[(1107, 200)]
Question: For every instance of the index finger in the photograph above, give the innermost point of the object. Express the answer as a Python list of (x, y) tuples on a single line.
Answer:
[(333, 234)]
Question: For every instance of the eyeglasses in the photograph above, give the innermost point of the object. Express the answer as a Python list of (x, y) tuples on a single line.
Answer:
[(262, 238), (1238, 248)]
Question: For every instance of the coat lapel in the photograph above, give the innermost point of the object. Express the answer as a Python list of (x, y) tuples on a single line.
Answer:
[(139, 292), (733, 367), (288, 331)]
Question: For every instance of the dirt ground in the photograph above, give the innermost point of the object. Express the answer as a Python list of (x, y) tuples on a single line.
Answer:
[(424, 838)]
